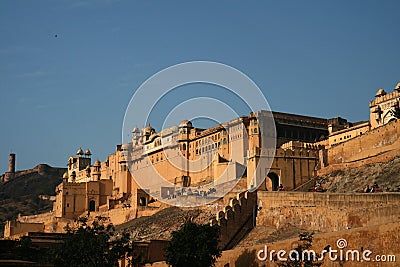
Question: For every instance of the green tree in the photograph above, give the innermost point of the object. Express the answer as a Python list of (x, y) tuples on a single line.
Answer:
[(97, 244), (193, 245), (305, 243)]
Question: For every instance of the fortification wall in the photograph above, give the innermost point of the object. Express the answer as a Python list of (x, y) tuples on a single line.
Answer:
[(378, 145), (13, 228), (381, 240), (236, 219), (327, 212)]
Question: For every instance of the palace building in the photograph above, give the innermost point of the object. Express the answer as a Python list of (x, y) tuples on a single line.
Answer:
[(161, 163)]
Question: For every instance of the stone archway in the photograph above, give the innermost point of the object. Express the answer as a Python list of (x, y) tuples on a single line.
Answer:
[(272, 181)]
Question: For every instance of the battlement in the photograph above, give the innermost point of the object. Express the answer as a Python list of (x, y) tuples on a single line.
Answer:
[(236, 219)]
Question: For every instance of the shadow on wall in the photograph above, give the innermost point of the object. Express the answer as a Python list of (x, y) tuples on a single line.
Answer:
[(247, 259)]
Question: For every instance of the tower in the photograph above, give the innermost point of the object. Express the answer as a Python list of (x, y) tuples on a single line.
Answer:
[(10, 174), (135, 136), (184, 134), (96, 172), (11, 163)]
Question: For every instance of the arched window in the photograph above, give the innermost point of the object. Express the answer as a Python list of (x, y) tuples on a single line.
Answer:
[(142, 201)]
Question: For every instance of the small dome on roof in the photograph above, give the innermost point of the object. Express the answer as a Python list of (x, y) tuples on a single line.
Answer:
[(80, 151), (380, 92), (65, 175), (397, 88), (97, 163), (125, 146), (135, 130), (186, 123), (88, 153), (149, 129)]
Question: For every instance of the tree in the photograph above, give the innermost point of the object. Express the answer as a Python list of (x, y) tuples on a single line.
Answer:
[(25, 250), (193, 245), (305, 243), (93, 245)]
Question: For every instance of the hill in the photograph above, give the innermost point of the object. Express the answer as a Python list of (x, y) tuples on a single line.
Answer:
[(163, 223), (21, 194), (386, 175)]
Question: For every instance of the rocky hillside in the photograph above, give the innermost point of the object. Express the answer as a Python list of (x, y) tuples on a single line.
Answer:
[(386, 175), (164, 222), (21, 194)]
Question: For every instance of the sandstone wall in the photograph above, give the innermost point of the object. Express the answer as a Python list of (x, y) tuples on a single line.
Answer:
[(381, 240), (13, 228), (237, 219), (378, 145), (327, 211)]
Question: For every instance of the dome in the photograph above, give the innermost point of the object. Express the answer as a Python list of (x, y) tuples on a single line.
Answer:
[(149, 129), (185, 123), (97, 163), (65, 175), (126, 146), (135, 130), (380, 92), (397, 88), (80, 151), (88, 153)]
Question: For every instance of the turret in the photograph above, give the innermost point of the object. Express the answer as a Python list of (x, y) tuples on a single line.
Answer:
[(96, 170), (11, 163), (65, 177), (10, 174)]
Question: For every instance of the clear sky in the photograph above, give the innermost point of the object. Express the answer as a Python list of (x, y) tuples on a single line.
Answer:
[(69, 68)]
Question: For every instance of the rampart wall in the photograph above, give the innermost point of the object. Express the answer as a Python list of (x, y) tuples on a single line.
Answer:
[(236, 219), (378, 145), (380, 239), (327, 212), (15, 227)]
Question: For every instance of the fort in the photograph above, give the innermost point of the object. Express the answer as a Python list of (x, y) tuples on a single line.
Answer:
[(187, 157)]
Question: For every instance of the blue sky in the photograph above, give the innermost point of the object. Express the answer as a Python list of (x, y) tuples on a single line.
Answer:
[(319, 58)]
